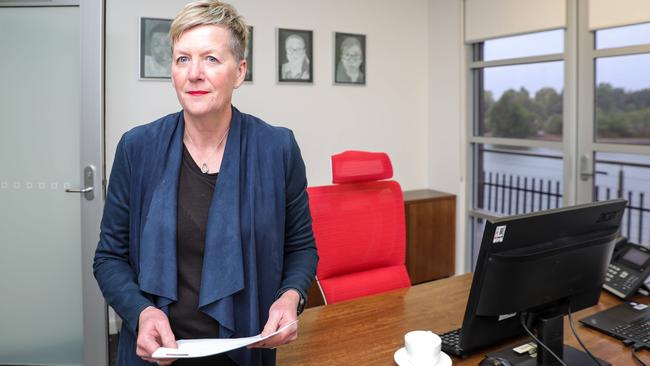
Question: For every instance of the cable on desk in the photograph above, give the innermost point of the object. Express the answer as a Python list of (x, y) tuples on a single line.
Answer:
[(523, 324), (635, 356), (575, 334)]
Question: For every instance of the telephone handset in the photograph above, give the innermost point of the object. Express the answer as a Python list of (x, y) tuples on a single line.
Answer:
[(628, 270)]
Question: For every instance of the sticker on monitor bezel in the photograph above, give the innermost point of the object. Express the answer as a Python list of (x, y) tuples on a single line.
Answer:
[(499, 234)]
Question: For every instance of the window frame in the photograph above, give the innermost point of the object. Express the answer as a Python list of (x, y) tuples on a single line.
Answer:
[(587, 146), (579, 57), (475, 111)]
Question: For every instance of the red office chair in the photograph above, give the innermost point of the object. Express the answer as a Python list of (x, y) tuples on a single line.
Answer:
[(359, 228)]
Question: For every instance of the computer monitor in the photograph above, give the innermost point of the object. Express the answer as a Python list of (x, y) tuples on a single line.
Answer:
[(537, 266)]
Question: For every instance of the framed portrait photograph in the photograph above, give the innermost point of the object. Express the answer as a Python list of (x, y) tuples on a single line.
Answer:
[(349, 58), (155, 48), (295, 55), (248, 55)]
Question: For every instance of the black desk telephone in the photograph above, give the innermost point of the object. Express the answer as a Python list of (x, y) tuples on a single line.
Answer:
[(628, 270)]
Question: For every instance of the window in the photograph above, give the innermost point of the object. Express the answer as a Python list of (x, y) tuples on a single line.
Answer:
[(522, 133), (523, 101), (517, 180), (621, 109), (623, 36), (534, 44), (516, 141), (623, 99)]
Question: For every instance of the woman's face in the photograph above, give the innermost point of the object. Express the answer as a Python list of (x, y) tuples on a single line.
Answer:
[(204, 70), (295, 48), (352, 57)]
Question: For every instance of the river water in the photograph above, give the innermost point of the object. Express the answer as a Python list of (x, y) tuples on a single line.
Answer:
[(611, 168)]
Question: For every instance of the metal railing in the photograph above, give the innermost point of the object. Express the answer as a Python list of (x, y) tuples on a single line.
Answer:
[(508, 194)]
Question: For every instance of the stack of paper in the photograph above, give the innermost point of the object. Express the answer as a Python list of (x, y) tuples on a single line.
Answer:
[(188, 348)]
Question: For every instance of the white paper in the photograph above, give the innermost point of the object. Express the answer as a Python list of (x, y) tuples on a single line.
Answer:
[(189, 348)]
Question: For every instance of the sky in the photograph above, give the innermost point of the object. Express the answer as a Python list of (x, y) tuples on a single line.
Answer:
[(628, 72)]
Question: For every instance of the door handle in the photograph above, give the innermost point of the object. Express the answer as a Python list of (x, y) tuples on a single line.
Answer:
[(84, 190), (585, 176), (585, 173), (89, 184)]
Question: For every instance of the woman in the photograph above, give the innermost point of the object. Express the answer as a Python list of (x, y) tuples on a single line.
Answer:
[(349, 68), (297, 65), (157, 63), (206, 230)]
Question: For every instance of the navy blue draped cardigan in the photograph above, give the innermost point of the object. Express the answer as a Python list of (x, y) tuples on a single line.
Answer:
[(259, 239)]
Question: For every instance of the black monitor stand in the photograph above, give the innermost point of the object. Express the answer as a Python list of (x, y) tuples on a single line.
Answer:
[(550, 330)]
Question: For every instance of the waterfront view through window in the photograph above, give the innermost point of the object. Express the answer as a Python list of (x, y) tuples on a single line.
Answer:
[(521, 99)]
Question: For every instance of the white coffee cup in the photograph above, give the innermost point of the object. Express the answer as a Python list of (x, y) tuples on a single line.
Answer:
[(422, 347)]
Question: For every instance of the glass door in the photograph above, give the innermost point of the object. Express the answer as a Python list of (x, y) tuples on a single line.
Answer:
[(50, 148), (614, 121)]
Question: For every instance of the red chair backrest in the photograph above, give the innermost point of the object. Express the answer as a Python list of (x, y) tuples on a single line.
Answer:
[(359, 228)]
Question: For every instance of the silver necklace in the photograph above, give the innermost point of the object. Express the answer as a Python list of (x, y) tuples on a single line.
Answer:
[(204, 166)]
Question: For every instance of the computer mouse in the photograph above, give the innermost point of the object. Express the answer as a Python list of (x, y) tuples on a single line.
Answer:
[(495, 361)]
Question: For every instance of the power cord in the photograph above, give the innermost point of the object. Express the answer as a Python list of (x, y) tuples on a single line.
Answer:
[(523, 324), (635, 347), (636, 358), (575, 334)]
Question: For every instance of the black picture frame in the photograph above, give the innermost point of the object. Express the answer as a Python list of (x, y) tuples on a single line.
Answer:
[(248, 55), (349, 59), (295, 56), (155, 48)]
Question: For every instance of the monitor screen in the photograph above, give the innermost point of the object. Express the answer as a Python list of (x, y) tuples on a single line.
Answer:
[(537, 264)]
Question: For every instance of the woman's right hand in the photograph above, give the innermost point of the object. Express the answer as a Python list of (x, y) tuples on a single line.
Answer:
[(154, 331)]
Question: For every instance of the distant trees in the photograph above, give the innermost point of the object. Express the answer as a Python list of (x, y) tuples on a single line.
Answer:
[(619, 113), (622, 114), (517, 115), (511, 115)]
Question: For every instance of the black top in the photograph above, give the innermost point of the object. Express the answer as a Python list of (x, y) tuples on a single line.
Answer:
[(195, 191)]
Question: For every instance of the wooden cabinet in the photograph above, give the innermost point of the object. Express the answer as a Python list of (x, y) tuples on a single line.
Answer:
[(430, 238), (430, 234)]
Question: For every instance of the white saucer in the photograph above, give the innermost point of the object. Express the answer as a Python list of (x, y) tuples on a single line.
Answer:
[(403, 360)]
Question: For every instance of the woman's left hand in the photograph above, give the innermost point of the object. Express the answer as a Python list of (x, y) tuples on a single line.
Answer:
[(283, 311)]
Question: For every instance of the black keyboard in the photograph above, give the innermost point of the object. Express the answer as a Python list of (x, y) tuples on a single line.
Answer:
[(451, 343), (637, 331)]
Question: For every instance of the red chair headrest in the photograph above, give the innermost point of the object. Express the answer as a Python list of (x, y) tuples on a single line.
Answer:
[(360, 166)]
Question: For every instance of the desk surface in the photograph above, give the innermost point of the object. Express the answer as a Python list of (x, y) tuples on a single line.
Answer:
[(367, 331)]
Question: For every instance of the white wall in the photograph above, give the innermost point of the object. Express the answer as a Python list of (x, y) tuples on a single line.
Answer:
[(389, 114), (411, 107), (447, 112)]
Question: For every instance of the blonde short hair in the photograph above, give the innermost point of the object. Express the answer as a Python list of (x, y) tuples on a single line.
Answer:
[(212, 12)]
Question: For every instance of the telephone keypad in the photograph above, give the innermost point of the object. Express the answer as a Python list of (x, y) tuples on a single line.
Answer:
[(620, 278)]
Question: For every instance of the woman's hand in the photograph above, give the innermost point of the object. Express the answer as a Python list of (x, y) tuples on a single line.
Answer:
[(154, 331), (283, 311)]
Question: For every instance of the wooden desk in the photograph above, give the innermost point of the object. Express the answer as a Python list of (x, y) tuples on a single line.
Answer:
[(367, 331)]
